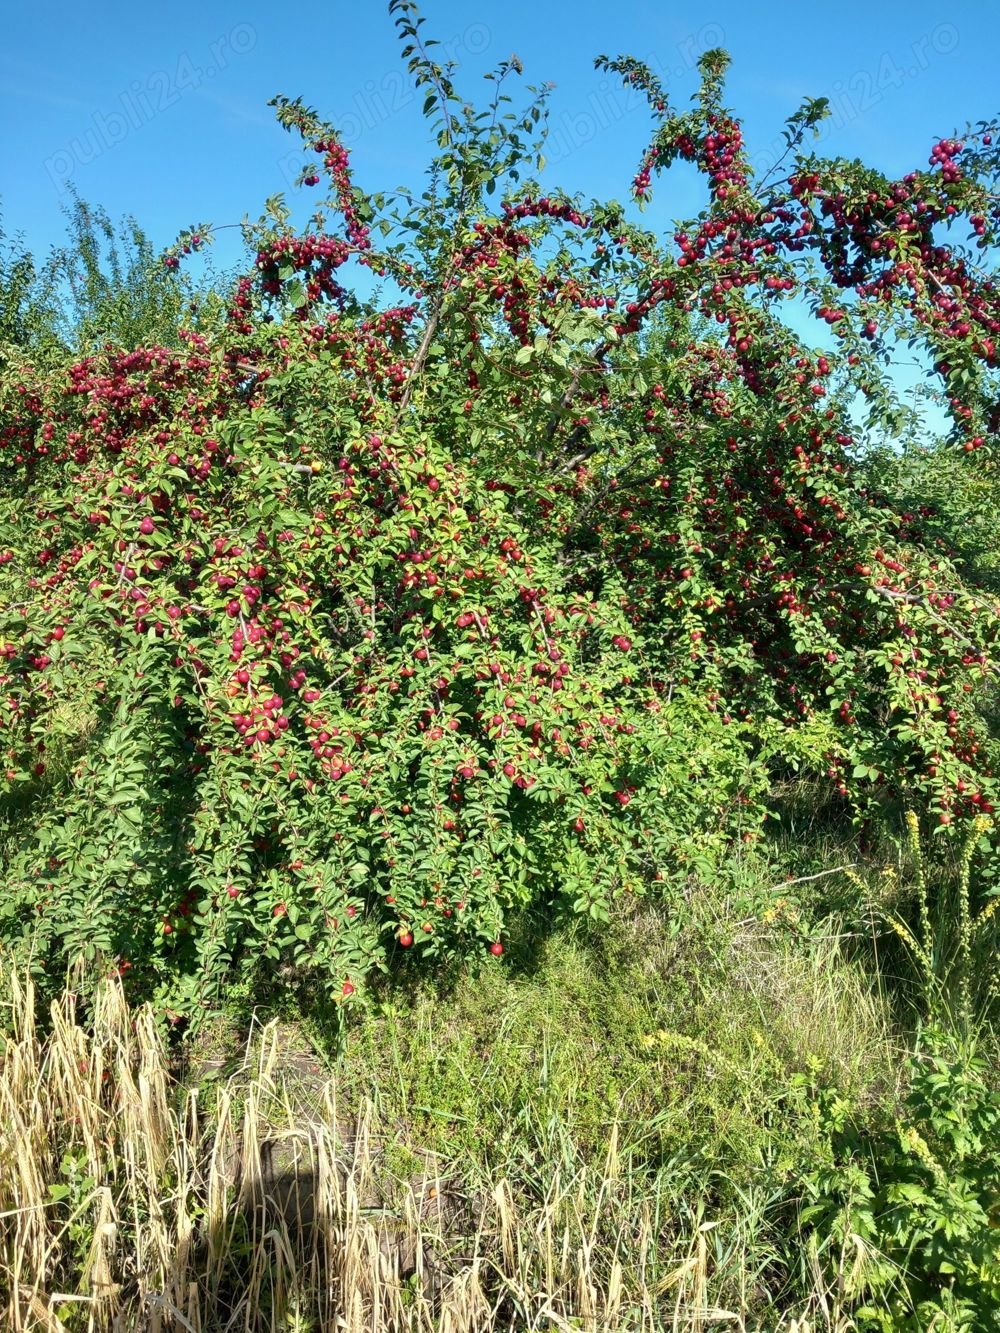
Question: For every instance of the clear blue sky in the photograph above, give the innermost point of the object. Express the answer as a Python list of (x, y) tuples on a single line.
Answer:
[(161, 110)]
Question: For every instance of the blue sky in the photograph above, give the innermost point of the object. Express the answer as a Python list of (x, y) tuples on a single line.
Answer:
[(161, 110)]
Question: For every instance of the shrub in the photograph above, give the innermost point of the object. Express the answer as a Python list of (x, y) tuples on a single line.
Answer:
[(921, 1193), (339, 632)]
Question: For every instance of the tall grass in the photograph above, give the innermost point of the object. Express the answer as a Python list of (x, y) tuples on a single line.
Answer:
[(129, 1201)]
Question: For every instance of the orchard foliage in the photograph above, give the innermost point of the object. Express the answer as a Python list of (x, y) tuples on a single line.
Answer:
[(114, 287), (106, 284), (357, 623)]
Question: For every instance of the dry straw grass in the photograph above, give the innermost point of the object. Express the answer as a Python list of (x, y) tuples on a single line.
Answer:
[(128, 1203)]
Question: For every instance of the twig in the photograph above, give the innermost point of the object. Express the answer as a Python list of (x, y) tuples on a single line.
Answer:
[(541, 625), (805, 879)]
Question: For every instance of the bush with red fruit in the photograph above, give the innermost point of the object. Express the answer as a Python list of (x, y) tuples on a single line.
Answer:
[(360, 625)]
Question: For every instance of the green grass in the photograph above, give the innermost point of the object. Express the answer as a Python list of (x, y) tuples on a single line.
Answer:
[(658, 1109), (696, 1049)]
